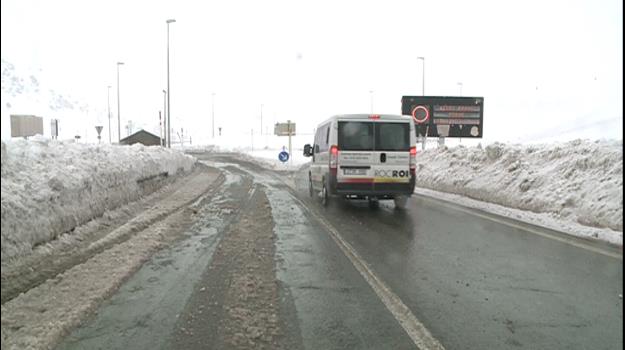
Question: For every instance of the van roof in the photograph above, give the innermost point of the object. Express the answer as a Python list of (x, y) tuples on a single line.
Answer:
[(366, 116)]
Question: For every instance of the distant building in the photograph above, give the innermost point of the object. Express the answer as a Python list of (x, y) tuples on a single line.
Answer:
[(26, 125), (143, 137)]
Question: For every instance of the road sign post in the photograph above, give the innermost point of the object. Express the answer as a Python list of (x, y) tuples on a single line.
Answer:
[(54, 129), (290, 150), (98, 128), (285, 129)]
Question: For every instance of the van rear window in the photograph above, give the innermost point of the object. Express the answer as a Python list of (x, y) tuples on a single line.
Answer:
[(392, 137), (356, 136), (369, 136)]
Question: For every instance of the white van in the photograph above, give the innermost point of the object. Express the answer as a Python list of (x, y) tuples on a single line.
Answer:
[(361, 156)]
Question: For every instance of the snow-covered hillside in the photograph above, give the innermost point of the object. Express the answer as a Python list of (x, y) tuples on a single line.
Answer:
[(579, 181), (23, 92), (49, 187)]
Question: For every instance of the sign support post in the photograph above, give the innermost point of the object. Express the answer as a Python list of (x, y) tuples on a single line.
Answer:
[(285, 129), (290, 150), (160, 129)]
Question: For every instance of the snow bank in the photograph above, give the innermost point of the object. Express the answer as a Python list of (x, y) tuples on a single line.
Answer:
[(49, 187), (267, 156), (579, 181)]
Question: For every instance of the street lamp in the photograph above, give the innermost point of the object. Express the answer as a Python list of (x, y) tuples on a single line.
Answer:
[(119, 128), (165, 126), (213, 117), (460, 84), (108, 103), (168, 89), (422, 76)]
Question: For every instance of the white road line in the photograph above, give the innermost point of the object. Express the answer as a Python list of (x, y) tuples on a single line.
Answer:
[(420, 335), (571, 242)]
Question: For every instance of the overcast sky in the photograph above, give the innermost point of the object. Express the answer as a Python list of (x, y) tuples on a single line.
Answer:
[(543, 67)]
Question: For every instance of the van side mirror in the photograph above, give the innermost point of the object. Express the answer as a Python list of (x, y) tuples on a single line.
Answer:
[(307, 150)]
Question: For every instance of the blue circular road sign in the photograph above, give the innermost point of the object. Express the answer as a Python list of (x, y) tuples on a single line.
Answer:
[(283, 156)]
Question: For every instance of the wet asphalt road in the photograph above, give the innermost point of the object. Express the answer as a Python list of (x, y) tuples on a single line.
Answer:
[(475, 283), (479, 284)]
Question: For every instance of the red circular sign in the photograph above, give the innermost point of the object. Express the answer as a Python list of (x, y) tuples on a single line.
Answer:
[(420, 120)]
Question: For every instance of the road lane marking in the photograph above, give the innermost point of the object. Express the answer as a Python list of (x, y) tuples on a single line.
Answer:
[(417, 332), (508, 222)]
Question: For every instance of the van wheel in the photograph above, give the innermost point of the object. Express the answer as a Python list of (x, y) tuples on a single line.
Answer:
[(324, 195), (400, 202), (374, 203), (311, 191)]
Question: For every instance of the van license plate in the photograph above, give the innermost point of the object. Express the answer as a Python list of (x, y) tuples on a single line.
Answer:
[(355, 171)]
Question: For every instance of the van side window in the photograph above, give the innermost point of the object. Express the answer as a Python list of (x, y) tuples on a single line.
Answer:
[(328, 135), (317, 140), (323, 137)]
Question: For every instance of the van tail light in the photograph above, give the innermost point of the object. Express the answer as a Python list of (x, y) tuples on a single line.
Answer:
[(334, 159), (413, 160)]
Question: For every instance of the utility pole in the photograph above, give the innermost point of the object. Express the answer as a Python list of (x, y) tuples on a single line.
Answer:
[(168, 89), (119, 119), (160, 128), (261, 119), (422, 76), (108, 103), (213, 120), (165, 126), (424, 138)]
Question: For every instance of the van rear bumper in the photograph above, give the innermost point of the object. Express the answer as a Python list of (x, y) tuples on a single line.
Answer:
[(372, 189)]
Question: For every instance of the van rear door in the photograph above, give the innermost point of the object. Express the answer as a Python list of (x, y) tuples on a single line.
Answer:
[(373, 154), (356, 144), (391, 158)]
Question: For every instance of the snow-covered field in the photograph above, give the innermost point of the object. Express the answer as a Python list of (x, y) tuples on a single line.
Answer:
[(49, 187), (578, 181)]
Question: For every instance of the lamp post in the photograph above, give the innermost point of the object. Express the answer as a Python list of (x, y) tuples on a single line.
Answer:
[(119, 127), (460, 84), (165, 126), (108, 103), (168, 89), (422, 76), (213, 116)]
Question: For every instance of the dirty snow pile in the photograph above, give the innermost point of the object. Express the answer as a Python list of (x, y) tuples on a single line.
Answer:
[(579, 181), (49, 187)]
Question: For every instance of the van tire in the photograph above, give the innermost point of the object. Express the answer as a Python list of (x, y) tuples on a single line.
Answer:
[(400, 202), (324, 194), (311, 190), (374, 203)]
